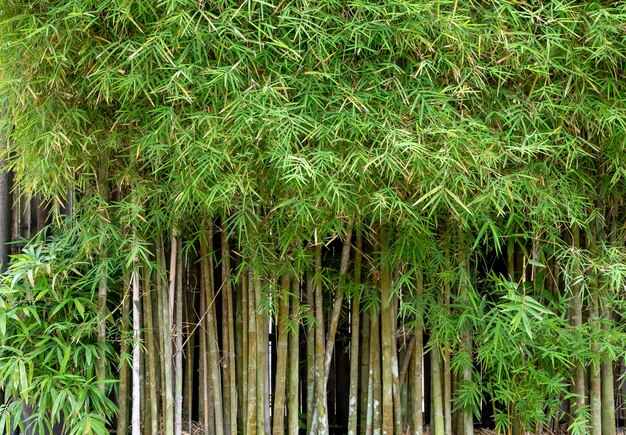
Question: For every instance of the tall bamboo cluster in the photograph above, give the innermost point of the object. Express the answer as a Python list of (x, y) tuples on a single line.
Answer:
[(312, 216)]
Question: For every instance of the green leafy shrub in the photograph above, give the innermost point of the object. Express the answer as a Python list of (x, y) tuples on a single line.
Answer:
[(49, 345)]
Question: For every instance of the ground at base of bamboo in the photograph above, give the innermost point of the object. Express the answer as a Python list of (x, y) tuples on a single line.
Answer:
[(198, 430), (620, 431)]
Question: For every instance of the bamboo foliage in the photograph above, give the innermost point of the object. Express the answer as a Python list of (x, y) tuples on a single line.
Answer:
[(383, 393), (312, 216)]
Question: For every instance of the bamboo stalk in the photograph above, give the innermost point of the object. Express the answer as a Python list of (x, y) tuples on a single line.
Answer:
[(178, 327), (445, 359), (213, 357), (510, 258), (320, 424), (122, 404), (365, 369), (245, 306), (338, 302), (151, 369), (267, 397), (166, 334), (251, 428), (386, 336), (102, 282), (25, 217), (228, 338), (375, 370), (369, 409), (457, 418), (395, 375), (594, 376), (6, 202), (241, 347), (405, 389), (310, 354), (102, 319), (437, 396), (608, 392), (205, 408), (414, 409), (406, 360), (15, 214), (136, 394), (447, 392), (43, 215), (417, 375), (578, 401), (142, 375), (595, 394), (261, 357), (468, 421), (293, 410), (160, 325), (608, 384), (171, 295), (190, 347), (336, 311), (281, 358), (355, 338)]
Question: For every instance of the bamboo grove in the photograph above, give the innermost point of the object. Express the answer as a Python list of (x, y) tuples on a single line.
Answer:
[(312, 216)]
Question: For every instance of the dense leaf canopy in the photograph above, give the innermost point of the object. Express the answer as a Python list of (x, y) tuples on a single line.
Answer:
[(471, 129), (303, 113)]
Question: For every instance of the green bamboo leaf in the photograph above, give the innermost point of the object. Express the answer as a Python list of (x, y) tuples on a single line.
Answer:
[(3, 322), (536, 263), (66, 359), (79, 306)]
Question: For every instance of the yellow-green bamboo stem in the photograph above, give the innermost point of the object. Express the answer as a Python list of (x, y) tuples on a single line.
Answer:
[(228, 340), (417, 375), (386, 332), (150, 358), (293, 409), (206, 252), (281, 358), (179, 367), (355, 338), (310, 354), (122, 416), (320, 424)]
